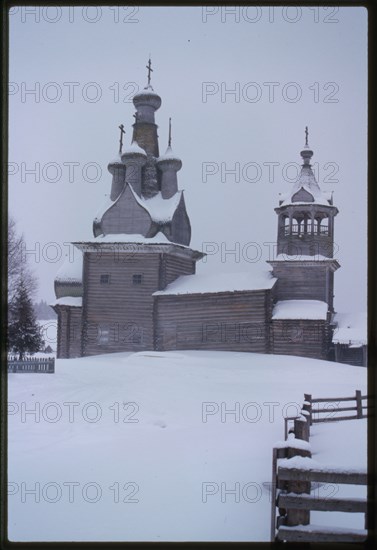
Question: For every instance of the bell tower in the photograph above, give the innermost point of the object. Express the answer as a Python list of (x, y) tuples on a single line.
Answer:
[(306, 216), (304, 264)]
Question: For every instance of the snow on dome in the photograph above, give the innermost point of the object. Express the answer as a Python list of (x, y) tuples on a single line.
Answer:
[(219, 282), (147, 96), (101, 211), (160, 210), (300, 309), (71, 301), (116, 160), (71, 270), (133, 149), (147, 91), (169, 155), (351, 328)]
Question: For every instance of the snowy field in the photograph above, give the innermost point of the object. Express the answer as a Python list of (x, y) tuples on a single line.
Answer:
[(145, 446)]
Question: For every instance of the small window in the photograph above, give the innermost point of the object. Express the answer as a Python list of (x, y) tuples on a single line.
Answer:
[(105, 279), (137, 279), (103, 336)]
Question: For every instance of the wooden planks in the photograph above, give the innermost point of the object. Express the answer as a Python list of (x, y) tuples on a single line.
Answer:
[(297, 534), (307, 502), (222, 321), (325, 475)]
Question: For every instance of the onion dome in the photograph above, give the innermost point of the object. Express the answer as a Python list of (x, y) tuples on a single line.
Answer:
[(134, 152), (169, 160), (147, 97), (115, 164)]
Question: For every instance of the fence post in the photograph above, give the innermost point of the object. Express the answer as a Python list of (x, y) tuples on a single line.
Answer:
[(301, 428), (359, 404), (308, 407), (273, 495)]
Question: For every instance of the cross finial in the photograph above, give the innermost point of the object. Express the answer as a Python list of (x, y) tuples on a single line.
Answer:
[(169, 143), (122, 131), (306, 136), (150, 70)]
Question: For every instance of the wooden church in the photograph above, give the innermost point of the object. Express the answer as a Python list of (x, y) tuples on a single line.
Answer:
[(133, 287)]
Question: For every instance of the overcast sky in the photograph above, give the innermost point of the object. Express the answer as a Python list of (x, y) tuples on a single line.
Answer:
[(86, 63)]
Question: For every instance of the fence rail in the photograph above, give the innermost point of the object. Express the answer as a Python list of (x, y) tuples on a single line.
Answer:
[(292, 481), (32, 364)]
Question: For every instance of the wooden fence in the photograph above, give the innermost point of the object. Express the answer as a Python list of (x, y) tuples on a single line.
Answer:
[(32, 364), (329, 412), (294, 471)]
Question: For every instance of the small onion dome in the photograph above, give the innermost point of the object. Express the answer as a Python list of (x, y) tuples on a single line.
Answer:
[(134, 152), (147, 97), (115, 164), (169, 159), (306, 153)]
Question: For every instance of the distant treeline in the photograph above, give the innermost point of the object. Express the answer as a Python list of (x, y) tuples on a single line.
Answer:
[(44, 311)]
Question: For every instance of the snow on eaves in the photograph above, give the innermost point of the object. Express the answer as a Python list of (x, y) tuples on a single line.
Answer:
[(218, 282), (300, 309), (71, 270), (351, 329), (71, 301), (302, 257), (115, 238)]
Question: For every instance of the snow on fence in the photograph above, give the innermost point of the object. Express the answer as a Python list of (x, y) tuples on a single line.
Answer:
[(32, 364), (326, 409), (293, 471)]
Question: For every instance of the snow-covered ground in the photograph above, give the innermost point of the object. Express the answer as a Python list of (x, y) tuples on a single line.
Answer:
[(162, 446)]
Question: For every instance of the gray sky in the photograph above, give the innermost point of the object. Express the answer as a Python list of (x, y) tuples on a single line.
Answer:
[(317, 56)]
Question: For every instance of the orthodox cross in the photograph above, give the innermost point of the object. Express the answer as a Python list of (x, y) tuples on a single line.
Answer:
[(306, 136), (150, 70), (169, 144), (122, 131)]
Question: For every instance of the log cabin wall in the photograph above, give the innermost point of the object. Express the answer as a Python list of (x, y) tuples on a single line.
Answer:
[(301, 337), (228, 321), (118, 304), (300, 282)]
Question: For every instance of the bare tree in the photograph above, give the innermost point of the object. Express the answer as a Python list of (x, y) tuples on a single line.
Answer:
[(18, 267)]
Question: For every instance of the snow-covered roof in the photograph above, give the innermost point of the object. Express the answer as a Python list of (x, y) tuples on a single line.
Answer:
[(71, 270), (125, 238), (351, 328), (219, 282), (116, 160), (169, 155), (71, 301), (300, 309), (147, 91), (134, 148), (307, 182), (301, 258), (160, 210)]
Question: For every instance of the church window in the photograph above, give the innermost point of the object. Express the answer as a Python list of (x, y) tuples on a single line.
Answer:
[(137, 279), (103, 336), (105, 279)]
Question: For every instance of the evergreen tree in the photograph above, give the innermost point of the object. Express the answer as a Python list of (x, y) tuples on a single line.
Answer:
[(24, 333)]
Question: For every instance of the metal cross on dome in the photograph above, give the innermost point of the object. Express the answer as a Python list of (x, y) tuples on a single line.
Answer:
[(122, 131), (169, 142), (306, 136), (150, 70)]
